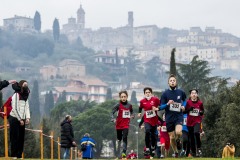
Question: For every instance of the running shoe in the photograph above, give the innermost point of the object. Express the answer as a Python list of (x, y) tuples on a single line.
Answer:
[(123, 155), (175, 155), (147, 153), (199, 152), (183, 153), (152, 153)]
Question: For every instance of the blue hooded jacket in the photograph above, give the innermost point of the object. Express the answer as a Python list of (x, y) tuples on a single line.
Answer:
[(88, 153)]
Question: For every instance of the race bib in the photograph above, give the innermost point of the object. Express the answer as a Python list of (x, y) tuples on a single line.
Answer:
[(164, 129), (184, 121), (176, 107), (158, 143), (126, 114), (150, 114), (194, 112)]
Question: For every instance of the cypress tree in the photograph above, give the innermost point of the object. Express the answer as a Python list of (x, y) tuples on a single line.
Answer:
[(134, 97), (173, 69), (56, 30), (37, 21), (49, 103), (109, 94), (117, 59), (64, 96), (34, 103)]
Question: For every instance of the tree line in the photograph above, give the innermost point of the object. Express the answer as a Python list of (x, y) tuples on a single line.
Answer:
[(219, 124)]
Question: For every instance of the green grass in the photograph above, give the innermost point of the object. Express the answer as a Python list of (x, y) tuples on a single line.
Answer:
[(144, 159)]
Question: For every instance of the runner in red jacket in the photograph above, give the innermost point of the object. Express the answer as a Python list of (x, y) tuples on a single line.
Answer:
[(150, 119), (195, 111), (125, 112)]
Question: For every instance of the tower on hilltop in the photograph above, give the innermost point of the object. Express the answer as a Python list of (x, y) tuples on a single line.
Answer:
[(81, 18), (130, 19)]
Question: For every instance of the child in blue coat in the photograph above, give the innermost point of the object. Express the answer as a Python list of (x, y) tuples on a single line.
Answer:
[(90, 143)]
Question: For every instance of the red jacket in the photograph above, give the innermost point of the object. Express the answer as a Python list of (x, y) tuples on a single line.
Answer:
[(150, 116)]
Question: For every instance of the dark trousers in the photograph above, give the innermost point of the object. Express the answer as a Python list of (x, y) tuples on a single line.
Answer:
[(122, 135), (17, 133), (150, 135), (194, 133), (186, 142)]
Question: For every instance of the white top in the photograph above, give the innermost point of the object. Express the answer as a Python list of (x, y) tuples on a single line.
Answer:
[(20, 109)]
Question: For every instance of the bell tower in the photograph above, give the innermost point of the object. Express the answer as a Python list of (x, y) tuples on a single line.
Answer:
[(81, 17)]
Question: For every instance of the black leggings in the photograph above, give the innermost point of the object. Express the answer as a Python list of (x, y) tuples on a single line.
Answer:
[(194, 133), (186, 142), (17, 134), (122, 135), (150, 135)]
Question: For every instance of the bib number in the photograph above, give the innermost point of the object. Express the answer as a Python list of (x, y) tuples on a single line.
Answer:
[(150, 114), (164, 129), (176, 107), (194, 112), (126, 114), (158, 144), (184, 121)]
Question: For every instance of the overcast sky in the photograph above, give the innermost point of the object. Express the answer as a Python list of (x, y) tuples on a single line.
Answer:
[(177, 14)]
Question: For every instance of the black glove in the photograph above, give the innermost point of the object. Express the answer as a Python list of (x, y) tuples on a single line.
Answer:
[(188, 110), (201, 113)]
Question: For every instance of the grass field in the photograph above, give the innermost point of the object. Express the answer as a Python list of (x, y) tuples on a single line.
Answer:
[(144, 159)]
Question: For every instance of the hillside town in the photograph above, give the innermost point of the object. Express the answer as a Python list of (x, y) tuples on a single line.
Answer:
[(220, 49), (127, 91)]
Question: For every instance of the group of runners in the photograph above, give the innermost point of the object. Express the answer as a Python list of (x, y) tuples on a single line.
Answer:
[(179, 127)]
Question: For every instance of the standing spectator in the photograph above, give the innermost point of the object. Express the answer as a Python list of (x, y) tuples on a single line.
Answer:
[(132, 155), (67, 136), (19, 117), (89, 143), (5, 83)]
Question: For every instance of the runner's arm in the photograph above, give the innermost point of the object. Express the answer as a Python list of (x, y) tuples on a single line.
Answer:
[(163, 106), (140, 110), (131, 111), (115, 109), (201, 112), (184, 103), (164, 102), (141, 122)]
